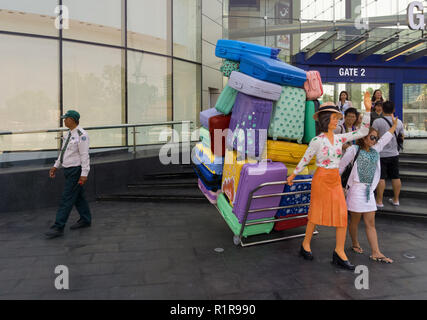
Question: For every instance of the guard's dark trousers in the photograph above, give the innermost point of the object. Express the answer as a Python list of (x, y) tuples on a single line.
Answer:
[(73, 194)]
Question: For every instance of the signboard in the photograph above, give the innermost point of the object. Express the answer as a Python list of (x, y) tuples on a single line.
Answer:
[(416, 19), (352, 72)]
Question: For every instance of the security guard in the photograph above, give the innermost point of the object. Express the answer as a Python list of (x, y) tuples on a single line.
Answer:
[(74, 157)]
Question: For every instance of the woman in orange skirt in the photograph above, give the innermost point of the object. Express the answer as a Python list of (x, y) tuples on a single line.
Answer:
[(328, 206)]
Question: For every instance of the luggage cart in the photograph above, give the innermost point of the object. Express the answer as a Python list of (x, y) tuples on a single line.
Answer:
[(238, 240)]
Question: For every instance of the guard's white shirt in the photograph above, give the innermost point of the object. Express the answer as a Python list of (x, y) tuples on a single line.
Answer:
[(77, 152)]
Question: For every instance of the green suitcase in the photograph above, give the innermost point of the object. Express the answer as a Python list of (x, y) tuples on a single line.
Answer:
[(309, 123), (233, 223), (205, 137), (287, 119), (226, 100)]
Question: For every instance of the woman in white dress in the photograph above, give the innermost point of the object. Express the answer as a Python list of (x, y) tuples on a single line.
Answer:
[(361, 184)]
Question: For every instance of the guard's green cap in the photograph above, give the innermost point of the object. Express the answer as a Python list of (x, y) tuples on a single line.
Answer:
[(71, 114)]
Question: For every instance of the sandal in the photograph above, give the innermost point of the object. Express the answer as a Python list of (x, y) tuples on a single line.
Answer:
[(357, 249), (381, 259)]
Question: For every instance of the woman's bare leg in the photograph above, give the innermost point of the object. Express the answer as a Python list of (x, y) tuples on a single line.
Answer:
[(340, 242), (308, 235), (371, 233), (353, 228)]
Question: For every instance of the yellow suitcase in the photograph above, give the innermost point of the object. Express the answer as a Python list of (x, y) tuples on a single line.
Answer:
[(287, 152), (231, 174)]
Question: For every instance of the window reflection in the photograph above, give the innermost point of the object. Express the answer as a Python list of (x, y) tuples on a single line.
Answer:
[(415, 110), (28, 16), (29, 92), (187, 29), (93, 87), (94, 20), (187, 90), (149, 25), (149, 94)]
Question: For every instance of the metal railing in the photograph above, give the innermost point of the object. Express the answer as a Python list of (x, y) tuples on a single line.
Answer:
[(119, 126), (237, 239)]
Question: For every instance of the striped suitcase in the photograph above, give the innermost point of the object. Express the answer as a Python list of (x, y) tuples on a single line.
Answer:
[(287, 120), (211, 181), (234, 50), (254, 87), (205, 156), (232, 221)]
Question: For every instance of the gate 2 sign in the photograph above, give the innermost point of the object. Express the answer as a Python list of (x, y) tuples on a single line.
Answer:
[(352, 72)]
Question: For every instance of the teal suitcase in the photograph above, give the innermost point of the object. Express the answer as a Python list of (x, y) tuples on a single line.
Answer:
[(227, 212), (287, 119), (226, 100), (309, 123)]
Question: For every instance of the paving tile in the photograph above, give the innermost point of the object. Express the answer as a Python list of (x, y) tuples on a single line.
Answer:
[(131, 253)]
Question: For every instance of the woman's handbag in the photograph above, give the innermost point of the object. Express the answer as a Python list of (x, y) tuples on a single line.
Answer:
[(347, 171)]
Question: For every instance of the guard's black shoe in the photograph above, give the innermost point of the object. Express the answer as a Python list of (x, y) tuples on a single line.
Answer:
[(336, 260), (80, 224), (54, 232), (306, 254)]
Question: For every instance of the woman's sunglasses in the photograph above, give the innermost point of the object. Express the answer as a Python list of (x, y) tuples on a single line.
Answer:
[(373, 138)]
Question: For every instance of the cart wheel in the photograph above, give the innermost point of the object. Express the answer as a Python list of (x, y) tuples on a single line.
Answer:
[(236, 240)]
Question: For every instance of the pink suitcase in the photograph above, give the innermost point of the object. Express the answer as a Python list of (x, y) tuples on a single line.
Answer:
[(313, 86), (210, 195), (252, 175)]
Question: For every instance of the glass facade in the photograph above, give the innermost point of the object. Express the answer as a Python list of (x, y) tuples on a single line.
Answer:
[(415, 110), (114, 61)]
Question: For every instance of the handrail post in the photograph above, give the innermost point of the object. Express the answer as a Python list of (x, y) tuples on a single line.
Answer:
[(134, 140)]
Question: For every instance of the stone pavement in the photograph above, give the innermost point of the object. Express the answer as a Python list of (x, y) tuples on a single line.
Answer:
[(166, 251)]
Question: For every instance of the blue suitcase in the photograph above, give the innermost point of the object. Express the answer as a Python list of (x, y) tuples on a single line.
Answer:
[(271, 70), (293, 199), (234, 50), (211, 181)]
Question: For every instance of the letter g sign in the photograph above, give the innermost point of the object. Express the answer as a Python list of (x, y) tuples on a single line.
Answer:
[(416, 20)]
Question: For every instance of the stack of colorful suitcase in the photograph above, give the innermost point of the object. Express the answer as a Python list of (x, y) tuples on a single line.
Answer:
[(255, 135)]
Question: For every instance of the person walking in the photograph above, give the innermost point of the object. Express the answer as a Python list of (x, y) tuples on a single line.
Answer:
[(348, 125), (361, 184), (74, 158), (389, 155), (327, 205)]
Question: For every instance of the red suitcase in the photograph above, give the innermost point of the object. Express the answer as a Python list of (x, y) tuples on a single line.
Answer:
[(219, 123), (290, 224)]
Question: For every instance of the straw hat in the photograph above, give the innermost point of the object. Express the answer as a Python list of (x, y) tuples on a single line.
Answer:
[(328, 106)]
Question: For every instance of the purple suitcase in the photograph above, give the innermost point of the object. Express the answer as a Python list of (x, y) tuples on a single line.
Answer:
[(249, 125), (210, 195), (206, 115), (252, 175)]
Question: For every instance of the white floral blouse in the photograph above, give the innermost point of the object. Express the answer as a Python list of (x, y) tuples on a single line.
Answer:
[(329, 156)]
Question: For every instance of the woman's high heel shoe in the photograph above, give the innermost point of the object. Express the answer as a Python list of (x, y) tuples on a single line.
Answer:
[(306, 254), (341, 263)]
